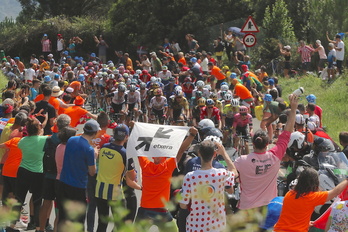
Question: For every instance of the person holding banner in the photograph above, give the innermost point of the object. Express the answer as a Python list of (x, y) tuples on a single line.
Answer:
[(156, 176)]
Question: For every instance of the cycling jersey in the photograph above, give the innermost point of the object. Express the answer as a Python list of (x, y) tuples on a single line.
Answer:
[(229, 111), (133, 97), (118, 99), (158, 104), (205, 91), (242, 121), (110, 84), (214, 115), (175, 105), (218, 104), (143, 94)]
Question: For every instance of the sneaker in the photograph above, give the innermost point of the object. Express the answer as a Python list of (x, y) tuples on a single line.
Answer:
[(21, 225), (31, 226), (49, 228)]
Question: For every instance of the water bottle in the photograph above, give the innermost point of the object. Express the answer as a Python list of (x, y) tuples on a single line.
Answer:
[(298, 92)]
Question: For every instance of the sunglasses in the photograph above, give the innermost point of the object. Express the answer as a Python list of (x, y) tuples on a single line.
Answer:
[(244, 114)]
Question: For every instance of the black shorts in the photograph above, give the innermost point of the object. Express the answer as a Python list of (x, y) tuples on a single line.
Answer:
[(143, 107), (49, 186), (330, 66), (242, 131), (305, 65), (339, 64), (228, 122), (176, 114), (117, 107), (132, 106), (322, 63), (9, 186), (287, 65), (159, 113), (1, 178)]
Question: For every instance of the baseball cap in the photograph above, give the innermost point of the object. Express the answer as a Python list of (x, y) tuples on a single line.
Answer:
[(56, 91), (69, 90), (91, 126), (244, 68), (45, 35), (66, 53), (121, 131), (50, 55), (299, 119), (47, 79), (193, 59), (79, 101), (16, 58), (93, 55), (271, 81)]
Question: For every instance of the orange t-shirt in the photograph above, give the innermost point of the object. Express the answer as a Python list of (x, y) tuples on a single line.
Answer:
[(310, 136), (261, 76), (242, 92), (14, 158), (156, 182), (100, 139), (216, 72), (75, 113), (76, 85), (182, 60), (296, 213), (53, 101)]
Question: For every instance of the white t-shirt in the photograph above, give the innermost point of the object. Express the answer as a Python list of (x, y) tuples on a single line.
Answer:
[(29, 74), (204, 65), (340, 54), (205, 189), (60, 46)]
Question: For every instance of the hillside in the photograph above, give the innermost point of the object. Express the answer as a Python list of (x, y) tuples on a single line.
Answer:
[(9, 8)]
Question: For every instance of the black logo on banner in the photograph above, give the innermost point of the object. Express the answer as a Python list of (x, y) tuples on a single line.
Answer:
[(146, 141)]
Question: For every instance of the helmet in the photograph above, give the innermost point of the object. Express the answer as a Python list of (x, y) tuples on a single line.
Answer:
[(212, 131), (132, 88), (178, 93), (178, 88), (155, 85), (153, 79), (225, 67), (213, 96), (121, 79), (243, 109), (47, 79), (81, 77), (222, 94), (224, 87), (296, 140), (121, 88), (134, 82), (125, 75), (213, 138), (111, 65), (199, 94), (322, 145), (138, 71), (210, 102), (204, 123), (142, 85), (89, 64), (111, 76), (171, 79), (201, 102), (159, 80), (223, 83), (188, 79), (208, 87), (235, 102), (116, 72), (268, 97), (200, 84), (157, 92), (233, 75), (311, 98), (228, 97), (99, 74), (104, 74)]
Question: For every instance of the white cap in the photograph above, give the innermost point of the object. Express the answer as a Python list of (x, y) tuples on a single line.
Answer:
[(69, 90), (299, 119)]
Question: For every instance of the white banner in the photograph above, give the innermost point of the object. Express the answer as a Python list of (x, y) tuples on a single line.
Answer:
[(153, 140)]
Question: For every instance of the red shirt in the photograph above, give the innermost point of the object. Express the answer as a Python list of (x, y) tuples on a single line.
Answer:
[(215, 114), (187, 88)]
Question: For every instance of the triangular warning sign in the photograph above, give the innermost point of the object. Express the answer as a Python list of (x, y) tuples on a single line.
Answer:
[(249, 26)]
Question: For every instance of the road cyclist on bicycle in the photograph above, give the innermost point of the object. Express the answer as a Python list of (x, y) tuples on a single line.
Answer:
[(241, 123), (158, 107)]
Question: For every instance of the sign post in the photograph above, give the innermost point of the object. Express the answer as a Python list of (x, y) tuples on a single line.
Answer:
[(249, 27)]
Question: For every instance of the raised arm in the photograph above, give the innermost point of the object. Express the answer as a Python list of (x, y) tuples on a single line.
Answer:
[(289, 126), (187, 142)]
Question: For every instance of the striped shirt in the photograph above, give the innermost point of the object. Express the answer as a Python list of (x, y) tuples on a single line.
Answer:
[(305, 53)]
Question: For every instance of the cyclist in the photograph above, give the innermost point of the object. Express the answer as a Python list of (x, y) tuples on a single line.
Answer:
[(228, 113), (226, 99), (240, 127), (211, 112), (119, 101), (196, 111), (200, 87), (178, 105), (217, 103), (145, 76), (151, 90), (169, 88), (133, 102), (102, 87), (143, 97), (188, 87), (158, 107), (110, 83), (223, 88)]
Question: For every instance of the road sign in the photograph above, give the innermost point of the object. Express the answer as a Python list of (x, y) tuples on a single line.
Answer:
[(250, 26), (249, 40)]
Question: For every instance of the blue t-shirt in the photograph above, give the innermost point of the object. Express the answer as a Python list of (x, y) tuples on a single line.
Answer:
[(195, 164), (77, 157), (331, 55), (33, 94)]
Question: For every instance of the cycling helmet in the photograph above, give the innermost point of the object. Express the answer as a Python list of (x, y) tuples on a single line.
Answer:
[(201, 102), (138, 71), (159, 80), (157, 92), (104, 74), (199, 94), (213, 139), (121, 79), (223, 83), (243, 109), (296, 140), (125, 75), (155, 85), (178, 93), (178, 87), (228, 97), (208, 87), (111, 76), (235, 102), (153, 79), (200, 84), (116, 72), (225, 67), (171, 79), (210, 102), (233, 75), (81, 77), (213, 96), (142, 85), (111, 65), (224, 87), (89, 64), (222, 94), (322, 145), (134, 82), (188, 79), (204, 123), (99, 74), (311, 98), (213, 131), (268, 97), (132, 88), (121, 88)]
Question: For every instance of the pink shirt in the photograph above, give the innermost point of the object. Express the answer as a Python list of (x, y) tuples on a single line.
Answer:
[(258, 174), (60, 158)]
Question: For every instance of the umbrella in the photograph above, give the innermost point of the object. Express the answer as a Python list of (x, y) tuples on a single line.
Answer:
[(236, 30)]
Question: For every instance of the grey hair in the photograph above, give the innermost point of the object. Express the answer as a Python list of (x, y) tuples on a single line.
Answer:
[(63, 121)]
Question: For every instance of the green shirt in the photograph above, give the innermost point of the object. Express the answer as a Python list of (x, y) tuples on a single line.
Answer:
[(273, 108), (32, 152)]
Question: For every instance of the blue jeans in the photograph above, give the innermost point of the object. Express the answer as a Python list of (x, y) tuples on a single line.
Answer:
[(157, 217)]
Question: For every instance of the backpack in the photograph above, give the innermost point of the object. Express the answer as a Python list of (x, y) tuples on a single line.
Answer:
[(49, 159)]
